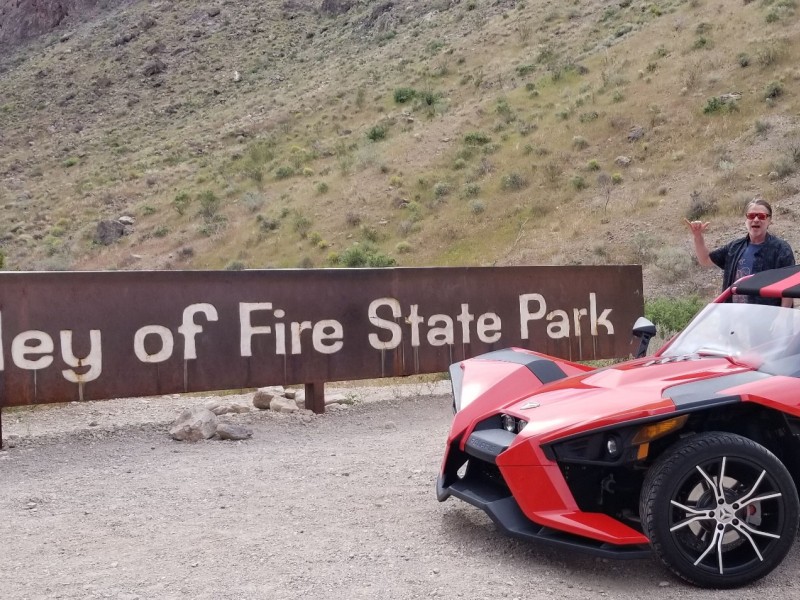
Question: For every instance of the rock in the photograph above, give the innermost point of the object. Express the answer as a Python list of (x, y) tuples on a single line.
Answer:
[(219, 408), (193, 425), (127, 220), (335, 399), (154, 67), (226, 431), (636, 133), (283, 405), (263, 396), (291, 394), (622, 161), (109, 232)]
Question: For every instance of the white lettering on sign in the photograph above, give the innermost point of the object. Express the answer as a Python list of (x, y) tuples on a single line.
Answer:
[(326, 335), (21, 349), (167, 344), (441, 328), (189, 329), (391, 323), (93, 360), (390, 326), (558, 323)]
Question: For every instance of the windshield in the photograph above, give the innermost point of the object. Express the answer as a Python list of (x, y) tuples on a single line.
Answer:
[(764, 337)]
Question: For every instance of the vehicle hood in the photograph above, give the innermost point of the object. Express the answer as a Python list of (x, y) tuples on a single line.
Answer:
[(634, 390)]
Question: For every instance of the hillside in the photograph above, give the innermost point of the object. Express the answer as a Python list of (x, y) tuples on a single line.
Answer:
[(332, 132)]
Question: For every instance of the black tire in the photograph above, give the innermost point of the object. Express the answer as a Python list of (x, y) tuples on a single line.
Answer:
[(719, 536)]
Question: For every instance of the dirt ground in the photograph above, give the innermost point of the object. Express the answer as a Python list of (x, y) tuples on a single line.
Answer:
[(96, 501)]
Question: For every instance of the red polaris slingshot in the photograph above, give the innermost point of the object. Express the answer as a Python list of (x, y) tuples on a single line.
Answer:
[(692, 454)]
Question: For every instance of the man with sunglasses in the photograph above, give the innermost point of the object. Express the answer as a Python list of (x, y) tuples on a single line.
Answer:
[(757, 251)]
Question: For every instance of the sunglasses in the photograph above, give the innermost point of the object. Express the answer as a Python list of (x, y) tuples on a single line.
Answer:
[(760, 216)]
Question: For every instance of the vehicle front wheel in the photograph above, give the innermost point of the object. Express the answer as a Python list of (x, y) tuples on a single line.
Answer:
[(719, 509)]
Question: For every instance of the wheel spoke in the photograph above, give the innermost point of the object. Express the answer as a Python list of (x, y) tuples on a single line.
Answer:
[(716, 487), (743, 529), (711, 545), (683, 524), (761, 498), (752, 491), (689, 510)]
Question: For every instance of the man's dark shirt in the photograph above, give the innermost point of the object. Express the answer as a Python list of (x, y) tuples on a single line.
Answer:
[(772, 254)]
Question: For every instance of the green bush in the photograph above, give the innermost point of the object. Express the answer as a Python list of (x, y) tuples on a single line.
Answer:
[(362, 255), (476, 138), (672, 314), (403, 95), (209, 204), (376, 133), (284, 172), (181, 202), (513, 181), (773, 90)]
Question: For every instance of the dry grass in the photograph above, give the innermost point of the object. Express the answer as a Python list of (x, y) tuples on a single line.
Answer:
[(265, 120)]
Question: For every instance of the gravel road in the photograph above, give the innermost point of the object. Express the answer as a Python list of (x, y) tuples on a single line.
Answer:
[(96, 501)]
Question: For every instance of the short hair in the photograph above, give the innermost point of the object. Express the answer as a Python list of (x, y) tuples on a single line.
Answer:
[(759, 202)]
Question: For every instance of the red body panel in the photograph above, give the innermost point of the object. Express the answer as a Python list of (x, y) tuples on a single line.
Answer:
[(582, 402)]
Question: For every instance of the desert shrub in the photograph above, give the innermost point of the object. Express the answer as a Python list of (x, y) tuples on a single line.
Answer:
[(266, 224), (471, 190), (253, 201), (579, 142), (513, 181), (352, 219), (578, 182), (700, 206), (161, 231), (284, 172), (209, 204), (784, 167), (322, 188), (671, 315), (762, 127), (713, 104), (370, 234), (405, 94), (181, 202), (362, 255), (403, 247), (301, 225), (773, 90), (2, 260), (235, 265), (593, 165), (376, 133), (743, 58), (523, 70), (476, 138), (616, 178), (476, 207), (441, 189), (212, 226)]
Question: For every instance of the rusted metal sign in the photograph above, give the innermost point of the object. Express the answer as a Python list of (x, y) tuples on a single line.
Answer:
[(94, 335)]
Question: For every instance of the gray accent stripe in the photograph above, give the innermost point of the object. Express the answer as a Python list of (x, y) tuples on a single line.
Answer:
[(707, 392), (544, 369)]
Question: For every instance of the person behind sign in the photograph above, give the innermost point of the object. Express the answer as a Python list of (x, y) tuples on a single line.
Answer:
[(758, 251)]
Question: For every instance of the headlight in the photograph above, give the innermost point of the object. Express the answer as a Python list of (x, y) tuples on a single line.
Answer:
[(613, 446), (509, 423), (512, 424)]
